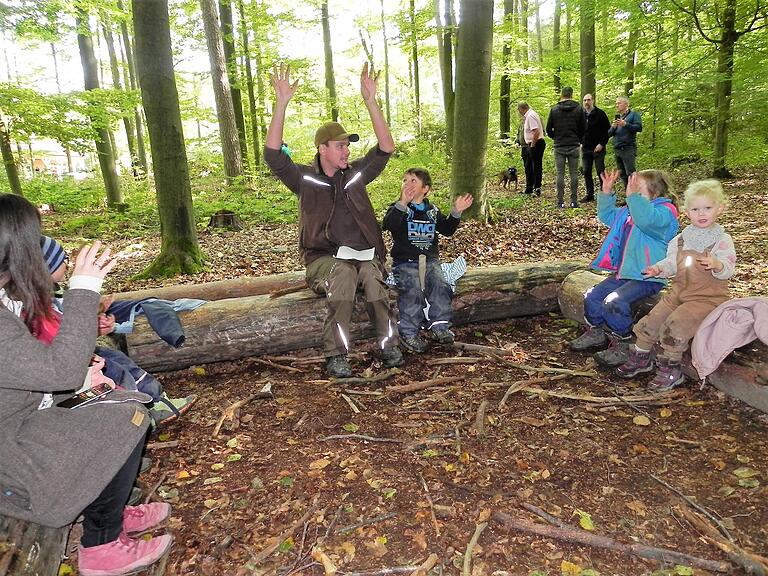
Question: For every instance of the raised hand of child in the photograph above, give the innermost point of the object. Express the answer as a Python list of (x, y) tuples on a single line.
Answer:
[(651, 271), (632, 184), (462, 202), (609, 179), (407, 193), (710, 262)]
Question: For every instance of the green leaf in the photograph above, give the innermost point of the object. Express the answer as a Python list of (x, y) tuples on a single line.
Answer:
[(749, 482), (234, 457), (351, 427), (285, 545), (217, 466), (286, 481), (233, 443), (212, 480), (745, 472), (430, 453), (683, 570), (389, 493), (585, 520)]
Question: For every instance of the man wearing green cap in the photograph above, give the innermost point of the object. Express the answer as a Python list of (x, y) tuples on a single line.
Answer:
[(339, 235)]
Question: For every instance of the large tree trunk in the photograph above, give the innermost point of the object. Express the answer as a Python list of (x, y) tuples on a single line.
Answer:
[(130, 133), (539, 43), (415, 59), (629, 66), (179, 251), (386, 66), (445, 56), (556, 80), (55, 58), (743, 375), (504, 82), (723, 89), (230, 57), (253, 112), (141, 146), (9, 160), (28, 549), (330, 78), (255, 325), (225, 111), (587, 47), (103, 147), (524, 30), (473, 88)]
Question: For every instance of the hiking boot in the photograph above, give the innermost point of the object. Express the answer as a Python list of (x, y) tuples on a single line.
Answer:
[(166, 409), (574, 204), (413, 344), (637, 363), (392, 357), (592, 337), (138, 519), (125, 555), (616, 354), (338, 367), (669, 374), (442, 335)]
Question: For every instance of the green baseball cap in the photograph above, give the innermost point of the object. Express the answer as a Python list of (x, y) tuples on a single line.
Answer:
[(333, 131)]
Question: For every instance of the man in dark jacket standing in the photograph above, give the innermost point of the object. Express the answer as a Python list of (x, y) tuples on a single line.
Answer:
[(339, 235), (624, 132), (566, 126), (593, 145)]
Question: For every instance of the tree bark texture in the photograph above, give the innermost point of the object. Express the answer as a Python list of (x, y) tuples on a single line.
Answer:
[(255, 325), (556, 46), (179, 249), (473, 88), (330, 78), (415, 59), (629, 66), (743, 375), (28, 549), (91, 76), (255, 140), (230, 57), (524, 30), (505, 81), (445, 56), (55, 59), (387, 108), (723, 88), (587, 47), (225, 111), (9, 160)]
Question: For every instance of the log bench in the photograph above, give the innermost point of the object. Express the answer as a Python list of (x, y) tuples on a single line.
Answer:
[(743, 374), (251, 325), (28, 549)]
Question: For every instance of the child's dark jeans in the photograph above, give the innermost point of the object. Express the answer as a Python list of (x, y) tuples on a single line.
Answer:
[(610, 302), (411, 298)]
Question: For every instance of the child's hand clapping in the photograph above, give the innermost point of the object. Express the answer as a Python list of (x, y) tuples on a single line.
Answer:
[(408, 193), (462, 202), (710, 263), (652, 270), (609, 179)]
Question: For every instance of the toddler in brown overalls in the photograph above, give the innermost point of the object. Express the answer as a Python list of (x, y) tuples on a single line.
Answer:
[(701, 259)]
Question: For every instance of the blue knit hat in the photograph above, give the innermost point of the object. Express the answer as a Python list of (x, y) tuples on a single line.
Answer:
[(53, 253)]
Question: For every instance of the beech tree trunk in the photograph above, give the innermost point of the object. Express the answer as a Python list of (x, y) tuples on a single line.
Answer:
[(505, 81), (629, 66), (103, 147), (255, 325), (253, 112), (723, 89), (415, 59), (55, 58), (473, 89), (330, 78), (556, 46), (587, 47), (386, 65), (225, 111), (743, 375), (9, 160), (230, 57), (445, 55)]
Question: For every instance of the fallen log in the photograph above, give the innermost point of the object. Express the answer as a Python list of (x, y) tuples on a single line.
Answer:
[(255, 325), (743, 374), (28, 549)]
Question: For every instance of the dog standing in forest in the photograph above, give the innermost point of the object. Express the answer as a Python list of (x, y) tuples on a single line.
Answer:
[(507, 176)]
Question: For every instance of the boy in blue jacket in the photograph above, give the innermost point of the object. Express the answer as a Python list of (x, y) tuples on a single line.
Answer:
[(637, 238)]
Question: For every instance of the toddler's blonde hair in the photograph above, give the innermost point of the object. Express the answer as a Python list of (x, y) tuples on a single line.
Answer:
[(710, 189)]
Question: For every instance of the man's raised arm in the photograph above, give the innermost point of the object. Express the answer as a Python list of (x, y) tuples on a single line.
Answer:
[(284, 91), (380, 128)]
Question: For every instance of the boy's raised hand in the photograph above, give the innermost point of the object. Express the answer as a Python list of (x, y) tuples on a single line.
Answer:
[(609, 179), (652, 271), (281, 82), (407, 194), (462, 202)]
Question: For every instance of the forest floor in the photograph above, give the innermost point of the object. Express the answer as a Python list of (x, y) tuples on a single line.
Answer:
[(373, 480)]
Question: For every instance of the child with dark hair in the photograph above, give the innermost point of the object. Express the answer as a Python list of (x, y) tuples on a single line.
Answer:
[(415, 224), (637, 237)]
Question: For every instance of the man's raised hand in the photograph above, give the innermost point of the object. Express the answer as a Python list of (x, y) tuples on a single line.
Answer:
[(281, 82), (368, 80)]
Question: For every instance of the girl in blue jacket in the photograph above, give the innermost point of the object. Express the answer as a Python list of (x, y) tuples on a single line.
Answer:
[(637, 238)]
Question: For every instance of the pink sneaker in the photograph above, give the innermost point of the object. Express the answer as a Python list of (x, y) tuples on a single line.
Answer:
[(122, 556), (137, 519)]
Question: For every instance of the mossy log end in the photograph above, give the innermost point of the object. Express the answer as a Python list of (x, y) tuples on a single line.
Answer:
[(252, 325), (743, 375)]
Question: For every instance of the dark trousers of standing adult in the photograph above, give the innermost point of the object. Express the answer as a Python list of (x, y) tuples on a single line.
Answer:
[(569, 154), (103, 518), (339, 280), (591, 158), (625, 161), (532, 162)]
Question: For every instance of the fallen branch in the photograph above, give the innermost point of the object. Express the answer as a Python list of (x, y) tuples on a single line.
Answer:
[(426, 566), (276, 365), (385, 375), (696, 506), (358, 437), (520, 384), (483, 349), (664, 397), (751, 562), (467, 569), (267, 552), (480, 419), (154, 487), (544, 369), (368, 522), (423, 385), (554, 520), (351, 404), (577, 536), (382, 571), (431, 505), (229, 412), (159, 445), (458, 360)]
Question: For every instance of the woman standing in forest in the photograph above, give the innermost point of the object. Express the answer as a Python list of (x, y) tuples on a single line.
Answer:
[(57, 463)]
